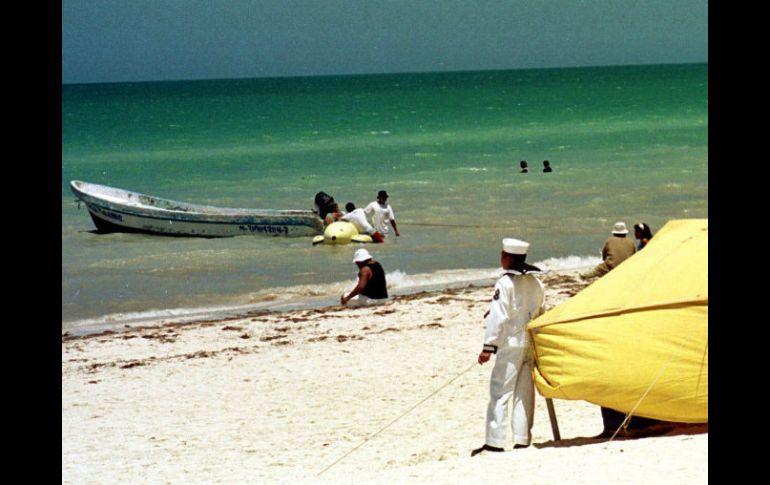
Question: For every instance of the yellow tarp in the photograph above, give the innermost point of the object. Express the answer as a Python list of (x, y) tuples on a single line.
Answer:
[(642, 327)]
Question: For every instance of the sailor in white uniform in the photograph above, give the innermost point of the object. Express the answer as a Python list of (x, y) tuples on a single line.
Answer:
[(519, 297)]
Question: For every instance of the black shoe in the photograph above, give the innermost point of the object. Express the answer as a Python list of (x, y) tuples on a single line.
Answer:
[(516, 447), (485, 448)]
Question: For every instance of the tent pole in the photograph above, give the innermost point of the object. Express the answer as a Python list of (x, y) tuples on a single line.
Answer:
[(552, 415)]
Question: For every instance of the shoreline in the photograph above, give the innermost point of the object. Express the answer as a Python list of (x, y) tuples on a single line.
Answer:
[(277, 397), (184, 316), (291, 298)]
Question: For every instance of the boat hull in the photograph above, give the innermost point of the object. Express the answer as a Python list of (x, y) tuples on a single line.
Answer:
[(151, 215)]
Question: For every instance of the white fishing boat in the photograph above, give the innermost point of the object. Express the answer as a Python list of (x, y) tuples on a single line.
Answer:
[(118, 210)]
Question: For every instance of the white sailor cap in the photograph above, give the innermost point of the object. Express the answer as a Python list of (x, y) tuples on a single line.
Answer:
[(515, 246), (361, 255)]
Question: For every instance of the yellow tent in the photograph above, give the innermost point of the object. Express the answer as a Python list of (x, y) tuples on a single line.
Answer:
[(638, 336)]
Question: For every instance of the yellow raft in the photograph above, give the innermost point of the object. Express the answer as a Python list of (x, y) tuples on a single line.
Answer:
[(637, 338), (341, 232)]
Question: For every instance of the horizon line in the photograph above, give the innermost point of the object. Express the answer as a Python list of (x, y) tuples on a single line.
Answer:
[(397, 73)]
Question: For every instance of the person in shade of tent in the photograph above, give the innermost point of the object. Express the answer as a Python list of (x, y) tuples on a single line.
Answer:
[(617, 248), (357, 217), (382, 213), (612, 419), (371, 287), (519, 297)]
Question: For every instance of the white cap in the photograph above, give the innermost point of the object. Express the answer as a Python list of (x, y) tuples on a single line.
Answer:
[(361, 255), (619, 228), (515, 246)]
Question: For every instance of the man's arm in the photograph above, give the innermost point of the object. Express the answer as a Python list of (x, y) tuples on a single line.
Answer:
[(497, 315), (393, 220), (393, 223), (363, 278)]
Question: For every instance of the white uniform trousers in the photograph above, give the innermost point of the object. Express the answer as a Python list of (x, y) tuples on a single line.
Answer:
[(511, 377)]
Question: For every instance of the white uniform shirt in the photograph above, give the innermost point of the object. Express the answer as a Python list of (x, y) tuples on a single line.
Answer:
[(518, 299), (381, 215), (358, 219)]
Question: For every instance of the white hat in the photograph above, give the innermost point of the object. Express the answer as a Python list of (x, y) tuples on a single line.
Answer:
[(515, 246), (620, 228), (361, 255)]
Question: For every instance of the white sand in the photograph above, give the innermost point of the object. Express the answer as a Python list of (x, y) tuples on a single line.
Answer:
[(278, 397)]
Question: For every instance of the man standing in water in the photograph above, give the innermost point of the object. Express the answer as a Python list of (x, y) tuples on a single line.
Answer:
[(519, 297), (381, 213)]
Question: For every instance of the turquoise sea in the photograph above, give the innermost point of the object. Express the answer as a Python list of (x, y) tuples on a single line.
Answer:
[(626, 144)]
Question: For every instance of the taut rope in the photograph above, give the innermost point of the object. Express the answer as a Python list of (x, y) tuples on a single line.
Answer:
[(399, 417)]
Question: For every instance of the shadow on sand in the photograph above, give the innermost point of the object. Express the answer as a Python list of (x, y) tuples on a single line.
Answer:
[(669, 429)]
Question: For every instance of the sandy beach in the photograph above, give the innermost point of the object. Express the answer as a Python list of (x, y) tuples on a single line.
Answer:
[(388, 394)]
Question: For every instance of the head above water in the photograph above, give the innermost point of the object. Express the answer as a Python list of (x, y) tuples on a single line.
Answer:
[(523, 164)]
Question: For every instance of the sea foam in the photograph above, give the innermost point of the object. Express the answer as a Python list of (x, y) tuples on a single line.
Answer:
[(312, 296)]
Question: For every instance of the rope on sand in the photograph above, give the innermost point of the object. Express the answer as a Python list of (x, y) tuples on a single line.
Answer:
[(399, 417)]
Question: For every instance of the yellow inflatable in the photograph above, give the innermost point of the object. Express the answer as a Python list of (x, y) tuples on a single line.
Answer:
[(341, 232), (636, 340)]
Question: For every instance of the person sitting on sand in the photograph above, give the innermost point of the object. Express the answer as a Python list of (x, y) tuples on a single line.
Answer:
[(357, 217), (371, 287), (643, 233), (617, 248)]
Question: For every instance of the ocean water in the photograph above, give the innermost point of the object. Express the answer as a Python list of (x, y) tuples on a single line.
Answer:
[(626, 144)]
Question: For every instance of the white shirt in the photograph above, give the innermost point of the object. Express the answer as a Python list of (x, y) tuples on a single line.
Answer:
[(381, 215), (358, 219), (518, 299)]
